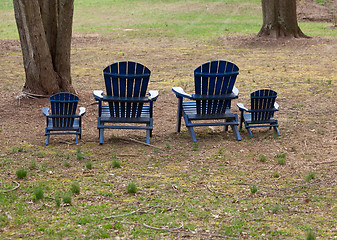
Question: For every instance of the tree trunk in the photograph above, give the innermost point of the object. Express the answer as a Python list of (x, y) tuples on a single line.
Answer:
[(45, 30), (280, 19)]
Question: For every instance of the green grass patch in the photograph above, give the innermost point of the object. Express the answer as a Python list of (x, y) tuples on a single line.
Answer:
[(189, 19)]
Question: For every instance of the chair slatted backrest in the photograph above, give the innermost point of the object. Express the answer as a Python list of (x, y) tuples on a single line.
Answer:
[(63, 109), (127, 80), (262, 104), (212, 79)]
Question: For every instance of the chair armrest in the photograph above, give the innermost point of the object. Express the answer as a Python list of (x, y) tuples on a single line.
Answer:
[(276, 106), (81, 111), (180, 93), (241, 107), (153, 95), (45, 111), (98, 95), (235, 91)]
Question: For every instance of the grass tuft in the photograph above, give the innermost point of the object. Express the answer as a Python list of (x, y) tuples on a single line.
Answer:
[(88, 165), (38, 193), (262, 158), (281, 158), (79, 154), (311, 175), (75, 188), (21, 173), (58, 200), (253, 189), (116, 164), (131, 188), (310, 236), (67, 198), (276, 209)]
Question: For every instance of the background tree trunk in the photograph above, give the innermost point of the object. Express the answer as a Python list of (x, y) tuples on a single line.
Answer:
[(280, 19), (45, 30)]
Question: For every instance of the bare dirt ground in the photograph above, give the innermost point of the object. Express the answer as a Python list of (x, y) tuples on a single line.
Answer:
[(308, 10), (262, 61), (302, 71)]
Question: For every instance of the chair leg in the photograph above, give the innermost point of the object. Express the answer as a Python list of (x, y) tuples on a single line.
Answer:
[(76, 139), (235, 129), (151, 126), (179, 114), (236, 132), (47, 140), (101, 136), (192, 133), (241, 120), (226, 126), (277, 131), (249, 131), (148, 133)]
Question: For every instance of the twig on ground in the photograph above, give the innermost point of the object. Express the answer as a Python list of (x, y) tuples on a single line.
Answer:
[(142, 208), (127, 214), (223, 194), (66, 142), (175, 230), (130, 213), (134, 140), (277, 189), (9, 190), (327, 162)]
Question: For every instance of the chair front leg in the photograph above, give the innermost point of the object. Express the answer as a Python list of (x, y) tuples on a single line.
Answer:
[(226, 126), (192, 134), (236, 130), (151, 109), (47, 140), (101, 132), (148, 135), (241, 120), (179, 113)]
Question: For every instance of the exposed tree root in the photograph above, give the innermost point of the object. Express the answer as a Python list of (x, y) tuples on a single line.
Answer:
[(24, 94)]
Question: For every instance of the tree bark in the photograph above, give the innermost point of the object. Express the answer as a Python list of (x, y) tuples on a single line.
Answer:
[(45, 30), (280, 19)]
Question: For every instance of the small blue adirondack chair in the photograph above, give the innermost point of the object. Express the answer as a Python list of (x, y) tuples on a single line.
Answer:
[(126, 106), (214, 91), (63, 118), (261, 114)]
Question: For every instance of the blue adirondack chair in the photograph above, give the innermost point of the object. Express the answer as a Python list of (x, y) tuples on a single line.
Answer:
[(63, 118), (261, 114), (125, 105), (214, 91)]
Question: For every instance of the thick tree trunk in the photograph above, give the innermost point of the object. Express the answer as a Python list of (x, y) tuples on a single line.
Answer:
[(280, 19), (45, 29)]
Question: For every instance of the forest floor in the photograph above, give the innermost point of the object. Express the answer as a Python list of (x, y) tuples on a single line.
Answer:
[(205, 187)]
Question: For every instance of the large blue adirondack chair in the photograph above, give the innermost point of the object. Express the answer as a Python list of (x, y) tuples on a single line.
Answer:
[(63, 118), (214, 91), (261, 114), (125, 106)]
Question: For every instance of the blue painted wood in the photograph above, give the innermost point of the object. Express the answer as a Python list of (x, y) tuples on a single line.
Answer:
[(125, 101), (261, 114), (214, 84), (63, 118)]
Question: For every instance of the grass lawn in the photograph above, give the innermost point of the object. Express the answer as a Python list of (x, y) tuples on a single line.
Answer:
[(265, 187)]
